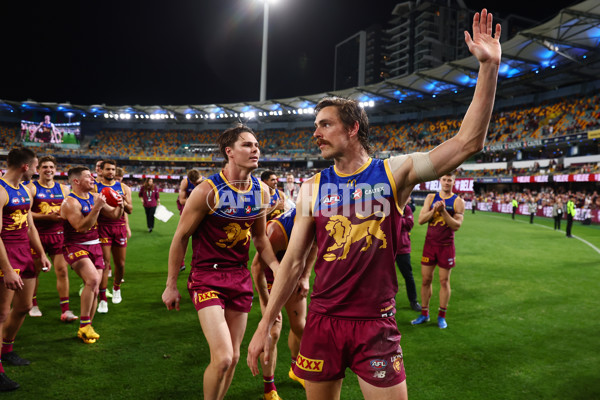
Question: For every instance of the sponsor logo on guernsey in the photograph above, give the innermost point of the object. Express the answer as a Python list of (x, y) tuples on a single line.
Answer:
[(378, 364), (330, 199), (309, 365), (200, 297), (248, 209), (357, 194)]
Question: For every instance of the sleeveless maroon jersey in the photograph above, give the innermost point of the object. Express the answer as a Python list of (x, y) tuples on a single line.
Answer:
[(14, 214), (71, 235), (45, 201), (223, 236), (438, 232), (102, 220), (356, 218)]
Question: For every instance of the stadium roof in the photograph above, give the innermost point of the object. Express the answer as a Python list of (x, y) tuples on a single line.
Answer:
[(561, 52)]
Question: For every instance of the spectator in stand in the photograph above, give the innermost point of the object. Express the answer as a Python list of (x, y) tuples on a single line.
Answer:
[(150, 199), (570, 215), (557, 212), (532, 208)]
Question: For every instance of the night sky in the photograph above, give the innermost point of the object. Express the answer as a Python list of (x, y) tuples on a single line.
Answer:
[(187, 52)]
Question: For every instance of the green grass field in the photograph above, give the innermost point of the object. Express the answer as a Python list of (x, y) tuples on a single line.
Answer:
[(523, 324)]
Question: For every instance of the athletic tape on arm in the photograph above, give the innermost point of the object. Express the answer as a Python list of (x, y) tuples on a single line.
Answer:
[(421, 163)]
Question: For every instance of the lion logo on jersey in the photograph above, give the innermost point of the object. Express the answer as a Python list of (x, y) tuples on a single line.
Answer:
[(19, 219), (47, 208), (344, 233), (235, 234)]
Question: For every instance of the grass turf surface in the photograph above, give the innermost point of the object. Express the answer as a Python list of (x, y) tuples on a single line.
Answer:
[(522, 325)]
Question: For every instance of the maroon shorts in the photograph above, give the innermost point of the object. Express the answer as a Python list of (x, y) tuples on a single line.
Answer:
[(75, 252), (229, 287), (444, 256), (370, 348), (52, 244), (20, 259), (113, 235)]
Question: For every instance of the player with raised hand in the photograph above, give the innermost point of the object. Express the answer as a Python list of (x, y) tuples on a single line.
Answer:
[(353, 210)]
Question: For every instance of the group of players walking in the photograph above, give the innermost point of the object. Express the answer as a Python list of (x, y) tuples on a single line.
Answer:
[(42, 219), (347, 220)]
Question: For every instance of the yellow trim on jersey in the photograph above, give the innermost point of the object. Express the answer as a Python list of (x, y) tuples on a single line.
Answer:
[(358, 171), (50, 187), (446, 198), (7, 196), (390, 176), (233, 187), (217, 198), (315, 193), (16, 188), (79, 197)]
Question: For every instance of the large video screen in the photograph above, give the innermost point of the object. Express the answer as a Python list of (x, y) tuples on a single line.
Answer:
[(48, 132)]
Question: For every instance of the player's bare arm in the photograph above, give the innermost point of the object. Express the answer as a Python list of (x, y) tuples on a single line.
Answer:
[(303, 285), (290, 269), (36, 243), (11, 279), (259, 234), (71, 211), (420, 167), (109, 211), (128, 202), (199, 204), (426, 212), (182, 196), (454, 222)]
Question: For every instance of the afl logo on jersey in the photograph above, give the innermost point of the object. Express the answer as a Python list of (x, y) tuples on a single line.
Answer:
[(86, 209), (330, 199), (41, 195), (229, 211), (15, 200)]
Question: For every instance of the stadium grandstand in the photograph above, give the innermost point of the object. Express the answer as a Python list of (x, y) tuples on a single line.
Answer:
[(543, 138)]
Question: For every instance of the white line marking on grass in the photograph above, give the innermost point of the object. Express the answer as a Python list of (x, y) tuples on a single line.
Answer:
[(547, 227)]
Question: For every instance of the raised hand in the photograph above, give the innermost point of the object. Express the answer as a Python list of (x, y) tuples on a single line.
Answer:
[(485, 47)]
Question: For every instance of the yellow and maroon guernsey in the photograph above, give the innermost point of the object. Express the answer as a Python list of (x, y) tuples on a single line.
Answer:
[(356, 218), (438, 232), (47, 200), (223, 236), (102, 220), (14, 214), (71, 235)]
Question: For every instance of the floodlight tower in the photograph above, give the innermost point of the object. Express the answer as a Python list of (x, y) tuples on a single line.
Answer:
[(263, 65)]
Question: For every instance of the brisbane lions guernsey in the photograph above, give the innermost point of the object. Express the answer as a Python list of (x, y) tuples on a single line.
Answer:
[(356, 218), (102, 220), (71, 235), (47, 200), (438, 232), (223, 236), (14, 214)]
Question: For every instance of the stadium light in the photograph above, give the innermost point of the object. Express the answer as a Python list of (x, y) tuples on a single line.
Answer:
[(263, 64)]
